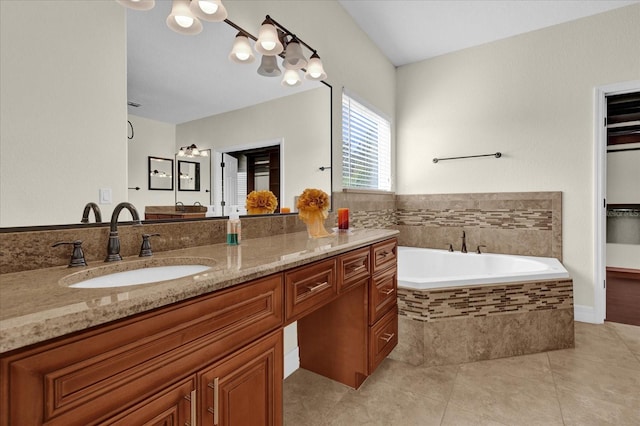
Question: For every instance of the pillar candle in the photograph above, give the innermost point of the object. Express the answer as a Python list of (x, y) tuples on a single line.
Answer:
[(343, 218), (285, 210)]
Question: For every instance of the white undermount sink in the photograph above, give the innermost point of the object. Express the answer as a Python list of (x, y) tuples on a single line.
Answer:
[(136, 273)]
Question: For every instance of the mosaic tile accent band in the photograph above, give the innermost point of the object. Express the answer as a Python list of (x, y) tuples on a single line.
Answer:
[(464, 302), (530, 219)]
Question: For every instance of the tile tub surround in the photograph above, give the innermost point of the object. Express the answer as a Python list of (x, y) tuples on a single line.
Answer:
[(448, 326), (524, 223), (35, 306)]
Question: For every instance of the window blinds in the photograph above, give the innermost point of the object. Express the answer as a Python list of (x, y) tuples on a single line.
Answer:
[(366, 147)]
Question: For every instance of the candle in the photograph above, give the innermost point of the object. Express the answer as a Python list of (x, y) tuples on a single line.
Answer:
[(285, 210), (343, 218)]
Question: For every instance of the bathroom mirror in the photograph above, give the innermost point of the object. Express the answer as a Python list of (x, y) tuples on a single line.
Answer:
[(160, 174), (188, 176), (248, 109)]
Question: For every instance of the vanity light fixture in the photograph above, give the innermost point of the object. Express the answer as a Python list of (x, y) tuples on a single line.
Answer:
[(271, 42), (293, 57), (315, 70), (291, 78), (241, 52), (192, 151), (268, 42), (138, 4), (209, 10), (269, 67), (182, 20)]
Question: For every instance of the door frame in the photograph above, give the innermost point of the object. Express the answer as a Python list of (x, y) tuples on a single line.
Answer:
[(600, 197), (216, 170)]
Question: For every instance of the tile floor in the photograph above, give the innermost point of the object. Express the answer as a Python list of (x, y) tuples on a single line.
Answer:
[(597, 383)]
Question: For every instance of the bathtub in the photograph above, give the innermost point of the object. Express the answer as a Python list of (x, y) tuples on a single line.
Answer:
[(421, 268)]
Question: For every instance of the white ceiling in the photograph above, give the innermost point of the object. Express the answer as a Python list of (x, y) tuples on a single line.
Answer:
[(178, 78), (411, 31)]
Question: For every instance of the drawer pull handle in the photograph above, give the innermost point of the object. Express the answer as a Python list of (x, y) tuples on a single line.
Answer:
[(193, 405), (387, 337), (312, 288), (215, 386), (356, 269), (387, 291)]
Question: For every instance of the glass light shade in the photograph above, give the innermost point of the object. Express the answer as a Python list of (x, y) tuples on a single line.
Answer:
[(315, 70), (138, 4), (181, 153), (204, 154), (293, 57), (269, 67), (291, 78), (181, 20), (268, 42), (209, 10), (241, 52)]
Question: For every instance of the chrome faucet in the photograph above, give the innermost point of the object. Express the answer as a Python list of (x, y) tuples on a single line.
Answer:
[(113, 249), (96, 213), (463, 249)]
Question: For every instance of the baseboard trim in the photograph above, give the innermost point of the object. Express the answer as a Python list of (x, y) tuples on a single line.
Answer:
[(583, 313), (291, 362)]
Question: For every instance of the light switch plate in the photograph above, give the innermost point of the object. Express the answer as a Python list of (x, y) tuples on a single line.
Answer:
[(105, 195)]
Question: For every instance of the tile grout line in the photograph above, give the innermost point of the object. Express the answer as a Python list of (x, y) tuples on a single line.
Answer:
[(624, 342), (446, 405), (555, 386)]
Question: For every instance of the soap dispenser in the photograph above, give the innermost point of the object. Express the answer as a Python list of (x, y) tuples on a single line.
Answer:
[(234, 228)]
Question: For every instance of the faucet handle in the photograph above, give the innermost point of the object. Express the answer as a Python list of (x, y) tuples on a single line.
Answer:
[(145, 248), (478, 249), (77, 256), (451, 247)]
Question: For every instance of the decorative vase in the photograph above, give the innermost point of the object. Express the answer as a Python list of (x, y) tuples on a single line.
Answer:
[(315, 224)]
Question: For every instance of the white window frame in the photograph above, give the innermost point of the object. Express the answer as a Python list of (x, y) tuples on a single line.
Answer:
[(381, 151)]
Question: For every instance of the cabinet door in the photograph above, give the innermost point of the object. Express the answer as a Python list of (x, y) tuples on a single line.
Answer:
[(175, 405), (245, 389)]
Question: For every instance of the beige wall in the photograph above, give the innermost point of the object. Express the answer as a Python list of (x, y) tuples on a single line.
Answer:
[(301, 121), (63, 109), (150, 138), (530, 97)]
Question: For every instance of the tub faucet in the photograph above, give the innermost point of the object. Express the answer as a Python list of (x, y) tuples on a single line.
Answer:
[(113, 249), (96, 213), (463, 249)]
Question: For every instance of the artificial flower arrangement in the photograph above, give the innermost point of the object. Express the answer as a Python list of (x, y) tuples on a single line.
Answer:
[(313, 205), (261, 202)]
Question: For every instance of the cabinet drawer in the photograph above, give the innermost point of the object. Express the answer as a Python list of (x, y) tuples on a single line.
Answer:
[(382, 294), (309, 287), (383, 337), (352, 267), (88, 377), (384, 255)]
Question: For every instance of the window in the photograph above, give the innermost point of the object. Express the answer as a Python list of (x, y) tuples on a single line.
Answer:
[(366, 147)]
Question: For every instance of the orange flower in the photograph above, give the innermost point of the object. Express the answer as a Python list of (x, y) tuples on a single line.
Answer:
[(312, 201), (262, 200)]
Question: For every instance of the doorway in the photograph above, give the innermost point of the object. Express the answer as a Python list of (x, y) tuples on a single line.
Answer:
[(617, 141)]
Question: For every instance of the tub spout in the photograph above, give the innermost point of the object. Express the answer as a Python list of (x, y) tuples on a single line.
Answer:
[(113, 249), (463, 249)]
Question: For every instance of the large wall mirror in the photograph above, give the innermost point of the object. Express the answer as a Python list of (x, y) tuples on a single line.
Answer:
[(228, 111), (188, 93)]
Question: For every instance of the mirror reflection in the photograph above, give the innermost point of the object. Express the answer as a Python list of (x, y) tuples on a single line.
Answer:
[(160, 174), (236, 110), (188, 176)]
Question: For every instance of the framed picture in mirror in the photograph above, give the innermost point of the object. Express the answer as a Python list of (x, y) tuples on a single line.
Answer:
[(188, 176), (160, 174)]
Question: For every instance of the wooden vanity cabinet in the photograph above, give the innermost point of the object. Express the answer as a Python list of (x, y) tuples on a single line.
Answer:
[(348, 337), (142, 366)]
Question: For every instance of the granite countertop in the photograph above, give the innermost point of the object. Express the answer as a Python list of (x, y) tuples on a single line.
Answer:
[(38, 305)]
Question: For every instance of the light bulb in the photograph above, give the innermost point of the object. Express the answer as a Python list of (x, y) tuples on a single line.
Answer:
[(184, 21), (291, 78), (208, 6)]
